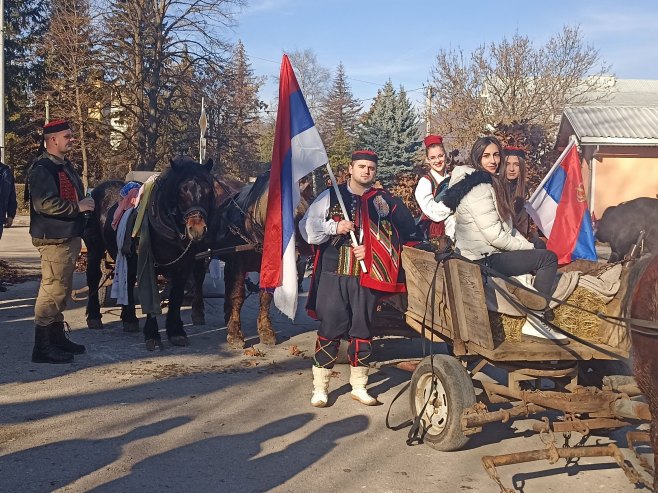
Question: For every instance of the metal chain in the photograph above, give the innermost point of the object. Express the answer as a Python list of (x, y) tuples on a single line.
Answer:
[(258, 247), (177, 259)]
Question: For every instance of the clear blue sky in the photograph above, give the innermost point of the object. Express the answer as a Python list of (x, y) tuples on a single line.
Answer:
[(378, 40)]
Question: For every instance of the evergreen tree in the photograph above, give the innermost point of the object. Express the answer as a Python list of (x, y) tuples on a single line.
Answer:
[(341, 111), (390, 128), (235, 113), (338, 125), (26, 23)]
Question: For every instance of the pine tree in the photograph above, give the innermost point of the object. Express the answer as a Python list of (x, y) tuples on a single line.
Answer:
[(236, 117), (390, 128), (341, 111), (26, 23)]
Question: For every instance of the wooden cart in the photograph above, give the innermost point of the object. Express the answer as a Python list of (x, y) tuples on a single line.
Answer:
[(446, 302)]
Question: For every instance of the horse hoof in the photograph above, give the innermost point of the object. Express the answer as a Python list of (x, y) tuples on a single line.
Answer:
[(179, 340), (94, 323), (151, 344), (131, 326), (267, 338), (235, 342), (198, 320)]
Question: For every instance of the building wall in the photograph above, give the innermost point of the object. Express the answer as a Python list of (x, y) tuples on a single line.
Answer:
[(623, 173)]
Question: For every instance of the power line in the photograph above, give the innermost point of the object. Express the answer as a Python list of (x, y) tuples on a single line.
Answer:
[(347, 77)]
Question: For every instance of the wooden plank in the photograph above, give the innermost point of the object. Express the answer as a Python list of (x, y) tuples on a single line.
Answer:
[(427, 290), (435, 334), (465, 280), (523, 351), (538, 351)]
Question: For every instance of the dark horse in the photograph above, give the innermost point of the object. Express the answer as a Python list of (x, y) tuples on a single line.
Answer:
[(644, 342), (245, 216), (180, 212), (621, 224)]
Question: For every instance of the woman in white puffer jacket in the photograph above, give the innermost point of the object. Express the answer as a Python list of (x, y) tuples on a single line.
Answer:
[(484, 232)]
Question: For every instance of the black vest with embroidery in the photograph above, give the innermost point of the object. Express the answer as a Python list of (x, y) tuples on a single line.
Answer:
[(336, 253)]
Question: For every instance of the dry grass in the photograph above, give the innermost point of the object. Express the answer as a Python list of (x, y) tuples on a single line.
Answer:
[(580, 324)]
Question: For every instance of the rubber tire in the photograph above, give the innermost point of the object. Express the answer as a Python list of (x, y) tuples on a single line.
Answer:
[(459, 395)]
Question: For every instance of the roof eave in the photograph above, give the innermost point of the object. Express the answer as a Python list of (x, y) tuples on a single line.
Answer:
[(616, 141)]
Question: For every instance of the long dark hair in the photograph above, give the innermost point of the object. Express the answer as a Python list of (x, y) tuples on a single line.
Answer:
[(520, 189), (502, 198)]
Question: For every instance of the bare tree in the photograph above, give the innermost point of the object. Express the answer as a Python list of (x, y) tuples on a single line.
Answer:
[(313, 78), (73, 82), (153, 50), (513, 81)]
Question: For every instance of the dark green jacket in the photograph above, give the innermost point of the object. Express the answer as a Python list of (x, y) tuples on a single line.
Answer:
[(52, 218)]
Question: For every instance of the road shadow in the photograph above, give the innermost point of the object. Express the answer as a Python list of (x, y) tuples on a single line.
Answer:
[(235, 462), (32, 469)]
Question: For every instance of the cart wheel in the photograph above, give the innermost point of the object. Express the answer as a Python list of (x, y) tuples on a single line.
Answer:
[(448, 391)]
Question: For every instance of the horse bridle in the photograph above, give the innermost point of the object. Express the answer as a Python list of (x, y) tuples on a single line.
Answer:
[(196, 211)]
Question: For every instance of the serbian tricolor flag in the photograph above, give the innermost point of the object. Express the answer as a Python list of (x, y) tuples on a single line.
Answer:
[(559, 208), (297, 151)]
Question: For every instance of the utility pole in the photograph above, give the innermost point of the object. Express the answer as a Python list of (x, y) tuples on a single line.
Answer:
[(428, 109), (47, 110)]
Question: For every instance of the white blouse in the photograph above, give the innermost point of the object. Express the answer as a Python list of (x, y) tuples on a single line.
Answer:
[(436, 211)]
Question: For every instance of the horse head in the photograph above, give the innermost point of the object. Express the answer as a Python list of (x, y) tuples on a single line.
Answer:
[(193, 193)]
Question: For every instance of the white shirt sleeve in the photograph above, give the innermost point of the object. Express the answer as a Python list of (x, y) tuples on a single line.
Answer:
[(436, 211), (314, 226)]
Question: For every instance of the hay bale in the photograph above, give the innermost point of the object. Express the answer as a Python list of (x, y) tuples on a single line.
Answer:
[(505, 327), (582, 325)]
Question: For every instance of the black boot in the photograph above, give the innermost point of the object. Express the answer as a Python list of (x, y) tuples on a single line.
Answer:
[(61, 340), (46, 352)]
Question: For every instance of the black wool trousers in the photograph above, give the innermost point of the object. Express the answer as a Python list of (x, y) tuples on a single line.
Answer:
[(344, 307)]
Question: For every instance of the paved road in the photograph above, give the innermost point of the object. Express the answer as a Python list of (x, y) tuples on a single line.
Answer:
[(208, 418)]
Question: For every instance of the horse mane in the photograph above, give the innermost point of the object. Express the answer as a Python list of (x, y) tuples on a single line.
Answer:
[(634, 276), (252, 199), (182, 167)]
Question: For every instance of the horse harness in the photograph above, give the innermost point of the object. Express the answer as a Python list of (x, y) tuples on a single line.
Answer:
[(165, 221), (235, 230)]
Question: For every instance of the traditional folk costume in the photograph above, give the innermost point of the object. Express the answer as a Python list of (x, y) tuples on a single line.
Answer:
[(343, 297), (436, 219)]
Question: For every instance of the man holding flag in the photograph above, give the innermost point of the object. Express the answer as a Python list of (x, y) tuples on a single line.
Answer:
[(350, 279), (298, 150)]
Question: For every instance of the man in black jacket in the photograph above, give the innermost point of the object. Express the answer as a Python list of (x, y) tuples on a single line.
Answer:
[(57, 204), (7, 197)]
